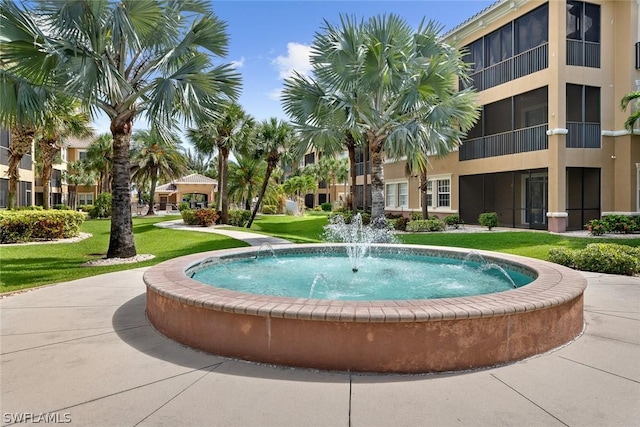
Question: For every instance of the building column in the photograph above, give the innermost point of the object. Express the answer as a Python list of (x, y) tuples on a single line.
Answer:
[(557, 209)]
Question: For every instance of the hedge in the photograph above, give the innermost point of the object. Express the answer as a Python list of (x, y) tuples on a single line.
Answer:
[(201, 217), (426, 225), (610, 258), (26, 226)]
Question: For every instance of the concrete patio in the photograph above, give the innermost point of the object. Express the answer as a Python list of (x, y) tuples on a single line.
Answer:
[(84, 352)]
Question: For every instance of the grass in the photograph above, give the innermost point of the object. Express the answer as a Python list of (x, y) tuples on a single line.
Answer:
[(533, 244), (26, 266)]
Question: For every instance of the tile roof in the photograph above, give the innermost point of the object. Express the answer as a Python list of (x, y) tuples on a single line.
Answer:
[(194, 178)]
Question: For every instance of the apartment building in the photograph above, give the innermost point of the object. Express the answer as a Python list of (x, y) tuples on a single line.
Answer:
[(550, 150)]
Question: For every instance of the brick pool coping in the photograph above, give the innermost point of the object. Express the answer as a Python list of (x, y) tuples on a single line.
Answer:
[(555, 285)]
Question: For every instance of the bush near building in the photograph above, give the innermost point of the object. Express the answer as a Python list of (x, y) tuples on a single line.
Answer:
[(607, 258), (199, 217), (33, 225), (239, 217), (488, 219), (433, 224), (621, 224)]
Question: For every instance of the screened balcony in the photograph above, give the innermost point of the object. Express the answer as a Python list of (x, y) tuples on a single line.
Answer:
[(523, 64), (518, 141), (583, 54), (583, 135)]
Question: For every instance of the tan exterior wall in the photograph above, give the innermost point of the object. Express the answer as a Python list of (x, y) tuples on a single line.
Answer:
[(619, 152)]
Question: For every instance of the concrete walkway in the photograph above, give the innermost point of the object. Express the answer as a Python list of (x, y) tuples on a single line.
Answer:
[(253, 239), (84, 352)]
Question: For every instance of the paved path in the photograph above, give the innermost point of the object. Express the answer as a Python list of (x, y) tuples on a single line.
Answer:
[(253, 239), (83, 351)]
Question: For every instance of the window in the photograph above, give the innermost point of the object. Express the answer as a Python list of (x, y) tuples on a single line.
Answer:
[(439, 192), (583, 34), (498, 45), (391, 195), (403, 194), (444, 193), (531, 30), (85, 199), (82, 155), (4, 191), (430, 193), (397, 195), (583, 116)]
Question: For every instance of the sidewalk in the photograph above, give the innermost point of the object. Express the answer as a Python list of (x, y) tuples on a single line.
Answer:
[(253, 239)]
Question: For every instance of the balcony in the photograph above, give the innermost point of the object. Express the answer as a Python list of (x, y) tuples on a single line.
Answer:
[(583, 135), (517, 141), (583, 54), (517, 66)]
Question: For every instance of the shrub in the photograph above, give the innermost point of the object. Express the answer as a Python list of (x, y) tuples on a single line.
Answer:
[(200, 217), (346, 215), (183, 206), (617, 223), (416, 216), (29, 208), (596, 227), (607, 258), (61, 207), (101, 207), (239, 217), (317, 209), (269, 209), (453, 221), (24, 226), (326, 206), (426, 225), (488, 219), (400, 224), (85, 208)]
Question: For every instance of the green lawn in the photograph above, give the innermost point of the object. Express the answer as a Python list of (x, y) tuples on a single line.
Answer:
[(25, 266)]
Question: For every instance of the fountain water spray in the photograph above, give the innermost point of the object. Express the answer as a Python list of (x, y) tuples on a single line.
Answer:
[(357, 236)]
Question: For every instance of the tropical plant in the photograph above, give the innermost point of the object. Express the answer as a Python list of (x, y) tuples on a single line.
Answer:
[(198, 162), (230, 129), (100, 160), (62, 118), (396, 86), (152, 158), (124, 58), (273, 137), (635, 113), (245, 178), (77, 174), (19, 146)]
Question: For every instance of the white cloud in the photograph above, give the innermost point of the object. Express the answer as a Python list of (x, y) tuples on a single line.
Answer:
[(238, 64), (275, 94), (297, 59)]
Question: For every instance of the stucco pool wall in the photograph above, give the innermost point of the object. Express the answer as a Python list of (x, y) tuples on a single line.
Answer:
[(399, 336)]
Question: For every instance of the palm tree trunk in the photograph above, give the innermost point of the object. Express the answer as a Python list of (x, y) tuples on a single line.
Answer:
[(48, 152), (20, 145), (351, 149), (365, 182), (377, 179), (152, 191), (121, 242), (272, 162), (223, 188), (46, 181), (220, 179), (423, 194)]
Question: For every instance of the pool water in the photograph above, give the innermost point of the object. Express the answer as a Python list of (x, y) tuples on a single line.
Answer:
[(380, 277)]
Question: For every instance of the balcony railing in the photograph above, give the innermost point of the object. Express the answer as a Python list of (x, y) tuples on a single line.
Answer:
[(583, 135), (517, 141), (517, 66), (583, 54)]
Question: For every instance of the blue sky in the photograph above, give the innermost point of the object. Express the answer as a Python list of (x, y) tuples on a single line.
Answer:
[(270, 38)]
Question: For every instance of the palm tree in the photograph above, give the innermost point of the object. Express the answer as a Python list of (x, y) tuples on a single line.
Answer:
[(125, 58), (398, 87), (61, 120), (635, 113), (197, 161), (154, 157), (321, 116), (100, 158), (245, 177), (77, 173), (228, 130), (297, 186), (19, 146), (273, 138)]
